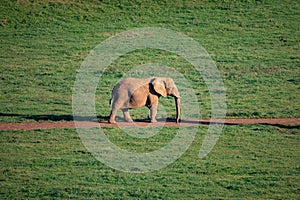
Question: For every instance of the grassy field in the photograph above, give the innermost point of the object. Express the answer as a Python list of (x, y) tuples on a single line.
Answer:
[(249, 162), (255, 45)]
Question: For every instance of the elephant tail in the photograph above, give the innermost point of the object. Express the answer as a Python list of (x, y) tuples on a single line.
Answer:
[(111, 98), (112, 94)]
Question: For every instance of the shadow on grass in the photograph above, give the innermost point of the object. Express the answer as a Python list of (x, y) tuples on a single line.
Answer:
[(286, 126), (56, 117), (100, 118)]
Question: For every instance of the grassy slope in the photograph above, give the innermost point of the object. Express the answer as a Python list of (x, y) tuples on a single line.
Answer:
[(248, 162), (255, 46)]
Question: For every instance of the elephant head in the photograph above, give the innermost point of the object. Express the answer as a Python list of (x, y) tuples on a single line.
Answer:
[(166, 87)]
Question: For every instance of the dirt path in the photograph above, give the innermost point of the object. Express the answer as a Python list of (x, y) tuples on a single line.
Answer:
[(281, 122)]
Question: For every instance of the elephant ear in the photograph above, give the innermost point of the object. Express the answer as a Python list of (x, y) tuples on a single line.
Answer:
[(159, 87)]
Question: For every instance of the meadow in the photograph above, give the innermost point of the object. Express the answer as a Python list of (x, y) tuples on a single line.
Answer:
[(248, 162), (255, 45)]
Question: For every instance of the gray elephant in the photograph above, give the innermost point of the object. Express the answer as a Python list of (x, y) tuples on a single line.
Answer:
[(137, 92)]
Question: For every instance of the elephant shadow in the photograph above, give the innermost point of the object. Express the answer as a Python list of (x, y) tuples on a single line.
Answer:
[(57, 118)]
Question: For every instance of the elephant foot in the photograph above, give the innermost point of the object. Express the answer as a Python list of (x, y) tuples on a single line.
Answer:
[(153, 120), (129, 120), (111, 121)]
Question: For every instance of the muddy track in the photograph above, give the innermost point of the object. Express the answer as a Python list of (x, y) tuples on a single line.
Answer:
[(280, 122)]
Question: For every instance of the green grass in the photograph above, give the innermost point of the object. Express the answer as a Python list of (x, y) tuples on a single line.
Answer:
[(255, 46), (251, 161)]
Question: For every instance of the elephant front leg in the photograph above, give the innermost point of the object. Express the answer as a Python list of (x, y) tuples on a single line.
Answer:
[(153, 112), (126, 115)]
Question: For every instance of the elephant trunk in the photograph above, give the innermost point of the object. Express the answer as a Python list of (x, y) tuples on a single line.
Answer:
[(177, 102)]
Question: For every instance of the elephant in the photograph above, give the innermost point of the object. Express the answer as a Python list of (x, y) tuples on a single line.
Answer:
[(137, 92)]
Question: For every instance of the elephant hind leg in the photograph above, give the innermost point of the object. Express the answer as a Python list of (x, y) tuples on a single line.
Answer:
[(112, 116), (117, 104), (127, 115), (113, 113)]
